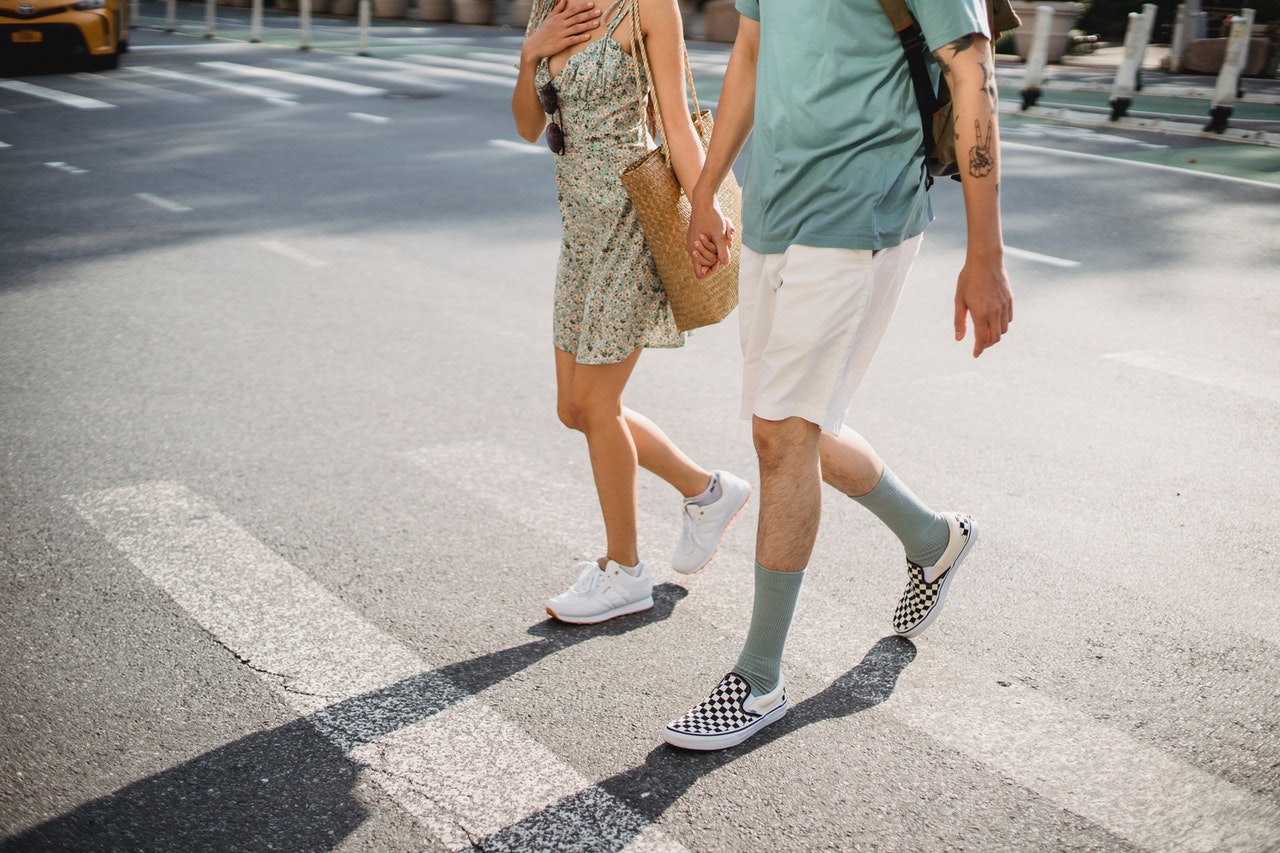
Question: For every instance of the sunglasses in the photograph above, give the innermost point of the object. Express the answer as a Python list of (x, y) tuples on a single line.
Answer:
[(551, 106)]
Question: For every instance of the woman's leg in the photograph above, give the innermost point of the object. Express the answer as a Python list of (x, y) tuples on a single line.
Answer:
[(589, 399), (658, 453)]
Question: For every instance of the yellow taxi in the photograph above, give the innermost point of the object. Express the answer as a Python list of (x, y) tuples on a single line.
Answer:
[(97, 30)]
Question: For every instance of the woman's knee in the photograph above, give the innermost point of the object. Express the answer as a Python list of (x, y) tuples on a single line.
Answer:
[(568, 414)]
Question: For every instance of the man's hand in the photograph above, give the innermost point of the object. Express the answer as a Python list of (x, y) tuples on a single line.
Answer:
[(982, 292), (710, 237)]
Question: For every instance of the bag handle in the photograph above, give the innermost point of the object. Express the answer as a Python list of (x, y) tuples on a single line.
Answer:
[(637, 42)]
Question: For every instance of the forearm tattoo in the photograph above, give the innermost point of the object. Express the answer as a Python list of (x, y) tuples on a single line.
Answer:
[(982, 157)]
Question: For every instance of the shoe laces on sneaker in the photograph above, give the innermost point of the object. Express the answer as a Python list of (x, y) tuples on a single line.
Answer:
[(592, 576)]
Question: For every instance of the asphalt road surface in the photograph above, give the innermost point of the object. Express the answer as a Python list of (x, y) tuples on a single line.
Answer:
[(283, 491)]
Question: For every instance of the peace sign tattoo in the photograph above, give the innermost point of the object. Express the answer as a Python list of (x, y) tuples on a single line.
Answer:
[(981, 157)]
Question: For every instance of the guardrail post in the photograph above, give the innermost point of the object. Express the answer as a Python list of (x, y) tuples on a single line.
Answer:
[(1128, 75), (1037, 56), (1227, 90), (366, 13), (304, 24), (255, 22), (210, 18), (170, 15)]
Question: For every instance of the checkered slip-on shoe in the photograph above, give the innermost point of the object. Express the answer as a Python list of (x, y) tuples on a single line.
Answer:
[(727, 717), (927, 585)]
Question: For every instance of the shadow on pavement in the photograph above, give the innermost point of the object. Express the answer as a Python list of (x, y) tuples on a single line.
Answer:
[(291, 788), (592, 820)]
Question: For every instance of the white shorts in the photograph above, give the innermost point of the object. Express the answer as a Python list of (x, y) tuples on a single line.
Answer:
[(810, 320)]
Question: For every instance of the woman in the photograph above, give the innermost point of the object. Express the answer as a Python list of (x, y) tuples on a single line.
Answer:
[(577, 82)]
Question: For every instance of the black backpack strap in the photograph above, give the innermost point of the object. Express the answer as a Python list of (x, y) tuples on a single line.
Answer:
[(914, 47)]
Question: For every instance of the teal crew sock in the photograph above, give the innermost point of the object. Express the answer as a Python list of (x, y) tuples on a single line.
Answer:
[(924, 533), (760, 662)]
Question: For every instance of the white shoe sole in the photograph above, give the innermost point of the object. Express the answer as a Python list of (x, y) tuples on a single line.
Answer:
[(707, 743), (624, 610)]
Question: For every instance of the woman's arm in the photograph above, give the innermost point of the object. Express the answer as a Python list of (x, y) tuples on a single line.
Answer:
[(663, 36), (569, 23), (982, 291)]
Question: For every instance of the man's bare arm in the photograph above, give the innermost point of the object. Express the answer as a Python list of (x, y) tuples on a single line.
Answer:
[(982, 290)]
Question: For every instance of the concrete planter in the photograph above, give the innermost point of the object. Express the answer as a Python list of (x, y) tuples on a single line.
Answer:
[(344, 7), (390, 8), (435, 10), (1065, 15), (520, 12), (473, 12)]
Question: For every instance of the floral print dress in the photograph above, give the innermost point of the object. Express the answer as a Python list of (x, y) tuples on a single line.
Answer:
[(609, 301)]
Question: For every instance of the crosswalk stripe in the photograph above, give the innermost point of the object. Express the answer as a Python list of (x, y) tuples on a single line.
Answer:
[(117, 81), (214, 83), (341, 86), (445, 757), (1266, 386), (448, 71), (1118, 782), (80, 102)]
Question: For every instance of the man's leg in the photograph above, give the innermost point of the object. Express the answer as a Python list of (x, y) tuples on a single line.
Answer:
[(852, 466), (790, 509)]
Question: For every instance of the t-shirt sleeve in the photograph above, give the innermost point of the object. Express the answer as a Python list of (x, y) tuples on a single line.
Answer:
[(944, 21), (750, 8)]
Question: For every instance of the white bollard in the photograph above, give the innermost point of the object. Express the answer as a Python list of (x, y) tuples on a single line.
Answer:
[(135, 9), (255, 22), (210, 18), (366, 13), (1127, 80), (1178, 43), (170, 15), (1037, 56), (1197, 21), (304, 24), (1227, 91)]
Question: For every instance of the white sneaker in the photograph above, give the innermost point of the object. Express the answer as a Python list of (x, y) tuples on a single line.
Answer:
[(601, 594), (704, 526)]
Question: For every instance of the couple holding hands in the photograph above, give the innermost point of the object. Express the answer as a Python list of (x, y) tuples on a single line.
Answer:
[(835, 204)]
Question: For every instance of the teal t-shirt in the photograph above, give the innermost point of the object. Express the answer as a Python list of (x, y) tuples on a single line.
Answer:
[(836, 156)]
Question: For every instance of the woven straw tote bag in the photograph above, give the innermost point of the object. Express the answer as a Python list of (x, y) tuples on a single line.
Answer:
[(664, 211)]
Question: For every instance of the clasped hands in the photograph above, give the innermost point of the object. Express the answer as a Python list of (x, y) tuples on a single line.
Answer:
[(709, 238)]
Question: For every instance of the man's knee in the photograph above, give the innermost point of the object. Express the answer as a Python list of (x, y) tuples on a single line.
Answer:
[(778, 442)]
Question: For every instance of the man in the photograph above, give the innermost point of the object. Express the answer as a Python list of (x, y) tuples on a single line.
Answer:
[(834, 207)]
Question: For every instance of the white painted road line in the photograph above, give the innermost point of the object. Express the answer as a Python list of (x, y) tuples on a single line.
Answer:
[(1117, 782), (1266, 386), (67, 167), (5, 145), (445, 757), (520, 147), (144, 89), (162, 202), (369, 117), (211, 82), (437, 70), (80, 102), (1036, 257), (357, 89), (293, 253), (1123, 161)]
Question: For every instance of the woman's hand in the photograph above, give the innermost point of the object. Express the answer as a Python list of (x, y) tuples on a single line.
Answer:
[(569, 23)]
